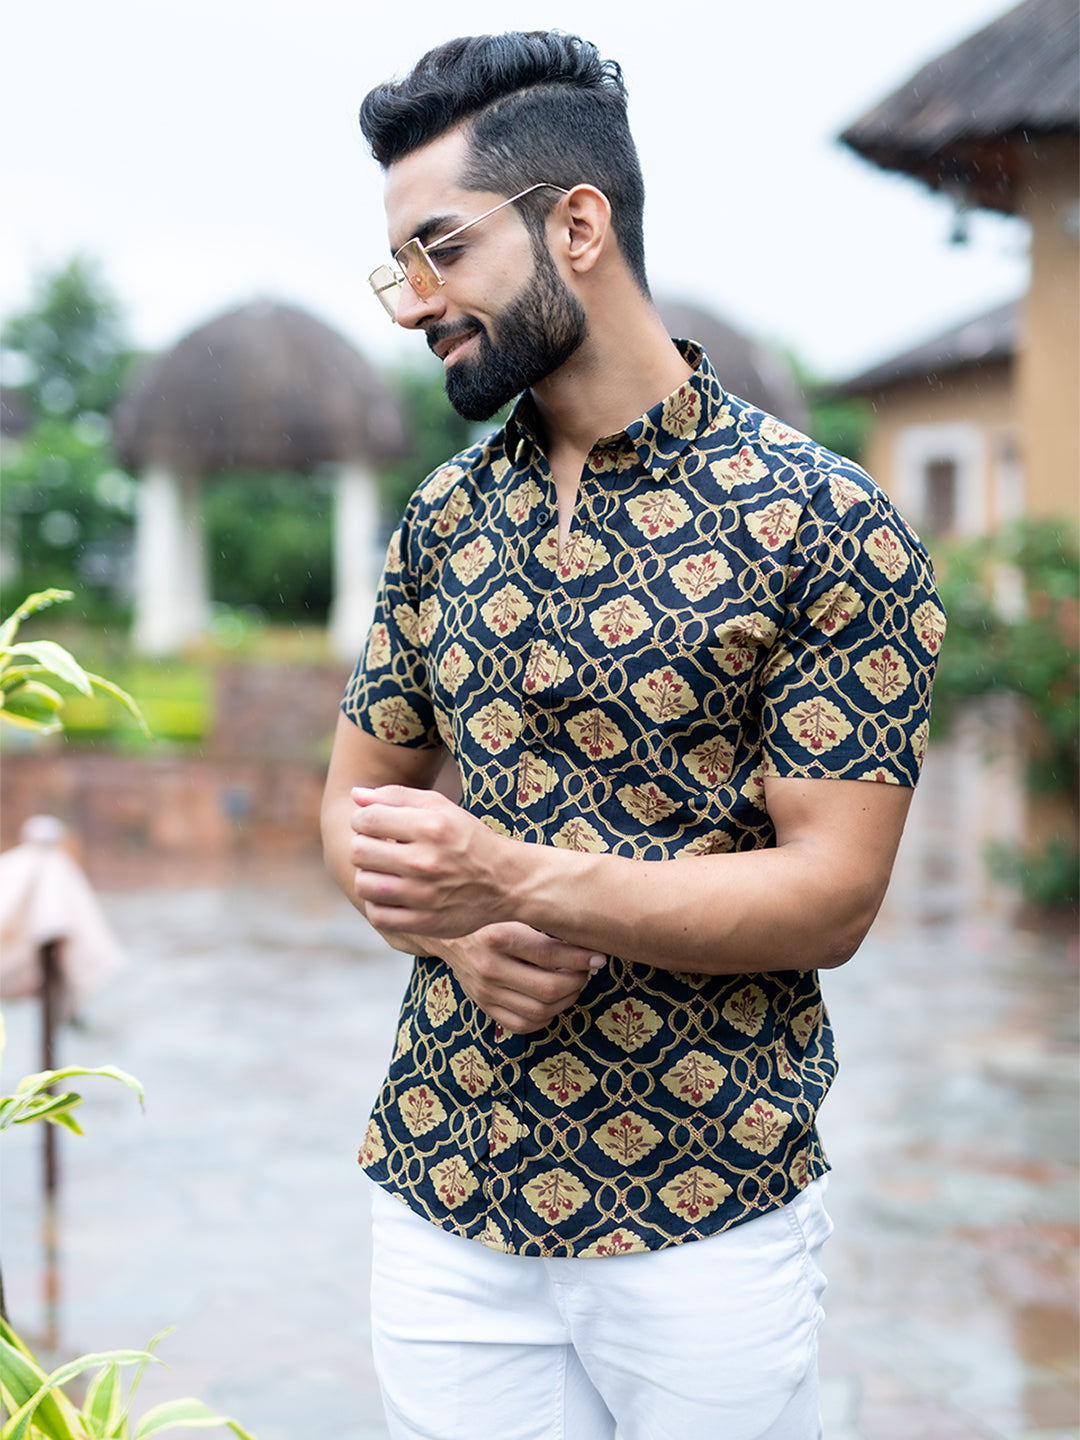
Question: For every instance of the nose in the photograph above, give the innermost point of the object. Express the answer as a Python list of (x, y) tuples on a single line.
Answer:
[(413, 309)]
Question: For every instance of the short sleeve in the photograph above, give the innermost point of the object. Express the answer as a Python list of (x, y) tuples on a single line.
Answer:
[(388, 695), (846, 690)]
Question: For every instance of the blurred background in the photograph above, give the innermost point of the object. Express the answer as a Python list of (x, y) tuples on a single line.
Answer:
[(209, 430)]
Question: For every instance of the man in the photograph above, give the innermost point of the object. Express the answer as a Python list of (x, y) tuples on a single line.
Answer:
[(681, 658)]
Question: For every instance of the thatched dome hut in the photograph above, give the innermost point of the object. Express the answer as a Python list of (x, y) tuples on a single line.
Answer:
[(745, 367), (263, 386)]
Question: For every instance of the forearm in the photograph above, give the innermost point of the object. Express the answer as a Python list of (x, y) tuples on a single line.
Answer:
[(760, 910), (804, 904)]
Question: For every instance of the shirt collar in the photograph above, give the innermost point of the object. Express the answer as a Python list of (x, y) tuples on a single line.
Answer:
[(659, 436)]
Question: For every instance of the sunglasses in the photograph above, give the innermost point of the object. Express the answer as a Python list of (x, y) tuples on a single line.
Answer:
[(416, 265)]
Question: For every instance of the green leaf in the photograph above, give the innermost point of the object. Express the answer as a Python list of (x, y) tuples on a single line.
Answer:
[(41, 600), (23, 722), (15, 678), (55, 659), (32, 699), (21, 1382), (125, 699), (181, 1414), (137, 1381), (21, 1376), (103, 1408), (91, 1362), (44, 1078), (43, 1107), (32, 1099), (18, 1426), (67, 1121)]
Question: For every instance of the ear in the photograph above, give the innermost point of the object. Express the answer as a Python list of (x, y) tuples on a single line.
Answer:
[(588, 231)]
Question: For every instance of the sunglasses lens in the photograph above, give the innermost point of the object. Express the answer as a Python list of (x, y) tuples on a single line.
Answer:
[(386, 283), (418, 269)]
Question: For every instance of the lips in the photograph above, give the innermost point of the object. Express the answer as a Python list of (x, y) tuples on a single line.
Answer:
[(445, 345)]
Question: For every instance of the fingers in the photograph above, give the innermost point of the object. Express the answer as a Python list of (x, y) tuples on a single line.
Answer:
[(393, 795), (524, 1014), (381, 821), (545, 951), (379, 893), (400, 797), (516, 1023), (507, 985), (420, 853)]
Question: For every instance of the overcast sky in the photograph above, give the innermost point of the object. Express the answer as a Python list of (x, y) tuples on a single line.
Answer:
[(207, 153)]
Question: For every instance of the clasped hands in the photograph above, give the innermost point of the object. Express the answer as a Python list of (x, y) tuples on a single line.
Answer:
[(427, 870)]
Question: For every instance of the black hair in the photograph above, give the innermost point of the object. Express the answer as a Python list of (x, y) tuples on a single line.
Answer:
[(540, 105)]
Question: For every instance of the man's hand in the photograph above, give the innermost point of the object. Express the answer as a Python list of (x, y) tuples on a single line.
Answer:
[(517, 976), (425, 866)]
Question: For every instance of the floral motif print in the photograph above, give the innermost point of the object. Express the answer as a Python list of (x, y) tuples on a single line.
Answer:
[(732, 604)]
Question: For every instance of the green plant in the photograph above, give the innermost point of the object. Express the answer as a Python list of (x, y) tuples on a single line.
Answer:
[(37, 1408), (839, 422), (66, 509), (436, 432), (1012, 601), (27, 701), (34, 1098), (269, 541)]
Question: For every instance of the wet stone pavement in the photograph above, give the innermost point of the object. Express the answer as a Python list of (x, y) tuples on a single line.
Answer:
[(258, 1012)]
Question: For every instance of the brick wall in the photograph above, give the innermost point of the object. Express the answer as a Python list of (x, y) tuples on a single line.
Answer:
[(252, 796)]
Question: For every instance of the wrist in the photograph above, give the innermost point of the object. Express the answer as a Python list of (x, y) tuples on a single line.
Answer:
[(535, 880)]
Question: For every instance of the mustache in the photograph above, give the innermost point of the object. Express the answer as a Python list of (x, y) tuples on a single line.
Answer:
[(435, 334)]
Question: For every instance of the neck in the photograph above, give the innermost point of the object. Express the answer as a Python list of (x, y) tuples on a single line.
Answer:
[(625, 366)]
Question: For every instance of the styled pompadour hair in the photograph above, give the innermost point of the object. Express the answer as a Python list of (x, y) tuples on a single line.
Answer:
[(539, 105)]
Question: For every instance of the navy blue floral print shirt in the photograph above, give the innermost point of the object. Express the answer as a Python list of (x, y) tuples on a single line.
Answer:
[(733, 602)]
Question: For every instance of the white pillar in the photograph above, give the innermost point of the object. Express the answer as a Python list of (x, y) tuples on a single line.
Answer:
[(356, 523), (171, 587)]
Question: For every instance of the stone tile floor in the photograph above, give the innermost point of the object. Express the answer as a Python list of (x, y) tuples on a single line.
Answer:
[(258, 1014)]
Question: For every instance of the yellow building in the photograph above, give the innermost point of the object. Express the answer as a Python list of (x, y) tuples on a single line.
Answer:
[(981, 424)]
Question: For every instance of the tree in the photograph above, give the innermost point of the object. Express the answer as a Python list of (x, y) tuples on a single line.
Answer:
[(69, 347), (269, 540), (839, 422), (1030, 650), (67, 509), (436, 430)]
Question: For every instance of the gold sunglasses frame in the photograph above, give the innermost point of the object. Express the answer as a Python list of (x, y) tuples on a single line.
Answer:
[(423, 274)]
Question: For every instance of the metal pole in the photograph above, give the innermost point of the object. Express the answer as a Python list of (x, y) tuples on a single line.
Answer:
[(51, 999), (50, 1008)]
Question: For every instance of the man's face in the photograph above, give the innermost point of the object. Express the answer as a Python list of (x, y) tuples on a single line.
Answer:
[(533, 336), (505, 319)]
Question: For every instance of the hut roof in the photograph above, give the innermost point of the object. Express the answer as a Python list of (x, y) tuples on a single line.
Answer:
[(957, 121), (985, 340), (266, 386), (746, 368)]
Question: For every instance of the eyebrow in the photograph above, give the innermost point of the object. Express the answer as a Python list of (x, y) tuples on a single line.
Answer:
[(432, 229)]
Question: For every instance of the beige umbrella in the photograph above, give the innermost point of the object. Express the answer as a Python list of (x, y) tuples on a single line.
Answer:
[(46, 900)]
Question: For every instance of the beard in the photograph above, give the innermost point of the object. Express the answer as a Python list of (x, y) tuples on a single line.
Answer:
[(538, 332)]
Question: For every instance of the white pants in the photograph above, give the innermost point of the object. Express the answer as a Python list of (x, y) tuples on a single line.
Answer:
[(711, 1340)]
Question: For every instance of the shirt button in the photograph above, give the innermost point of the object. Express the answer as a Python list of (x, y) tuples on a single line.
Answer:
[(542, 517)]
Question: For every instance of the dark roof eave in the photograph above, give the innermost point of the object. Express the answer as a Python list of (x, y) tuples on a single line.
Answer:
[(1013, 81), (984, 171), (989, 339)]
